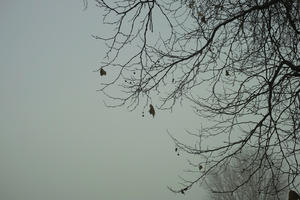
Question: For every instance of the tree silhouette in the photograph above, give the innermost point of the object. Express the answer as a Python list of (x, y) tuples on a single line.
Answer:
[(237, 61), (263, 184)]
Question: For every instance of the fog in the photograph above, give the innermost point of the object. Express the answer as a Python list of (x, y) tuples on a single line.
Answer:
[(57, 138)]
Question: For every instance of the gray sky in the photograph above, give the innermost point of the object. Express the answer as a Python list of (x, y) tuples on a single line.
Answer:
[(57, 139)]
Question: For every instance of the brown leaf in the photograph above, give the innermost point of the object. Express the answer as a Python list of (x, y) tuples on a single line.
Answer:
[(152, 111), (293, 195), (102, 72), (226, 73), (203, 20), (200, 167)]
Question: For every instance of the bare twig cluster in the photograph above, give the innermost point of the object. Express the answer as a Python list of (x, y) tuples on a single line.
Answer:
[(245, 178), (236, 60)]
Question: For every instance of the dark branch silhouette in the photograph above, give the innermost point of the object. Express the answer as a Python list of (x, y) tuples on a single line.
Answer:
[(244, 178), (237, 61)]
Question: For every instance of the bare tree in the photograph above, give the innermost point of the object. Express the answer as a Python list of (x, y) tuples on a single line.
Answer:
[(236, 60), (263, 185)]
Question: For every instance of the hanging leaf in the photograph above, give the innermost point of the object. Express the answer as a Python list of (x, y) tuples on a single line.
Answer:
[(176, 149), (203, 20), (102, 72), (293, 195), (200, 167), (226, 73), (152, 111)]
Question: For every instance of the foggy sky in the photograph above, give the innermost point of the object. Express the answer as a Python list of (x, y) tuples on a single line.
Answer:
[(57, 139)]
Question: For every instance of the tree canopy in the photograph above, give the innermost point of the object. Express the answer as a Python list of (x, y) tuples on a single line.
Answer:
[(237, 61)]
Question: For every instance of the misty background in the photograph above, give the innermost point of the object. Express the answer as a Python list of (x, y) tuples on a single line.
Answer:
[(57, 138)]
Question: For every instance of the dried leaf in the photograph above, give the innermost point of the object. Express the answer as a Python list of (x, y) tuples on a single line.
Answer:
[(203, 20), (176, 149), (102, 72), (293, 195), (226, 73), (152, 111), (200, 167)]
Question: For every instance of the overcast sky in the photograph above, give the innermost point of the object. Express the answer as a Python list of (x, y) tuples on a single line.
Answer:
[(57, 139)]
